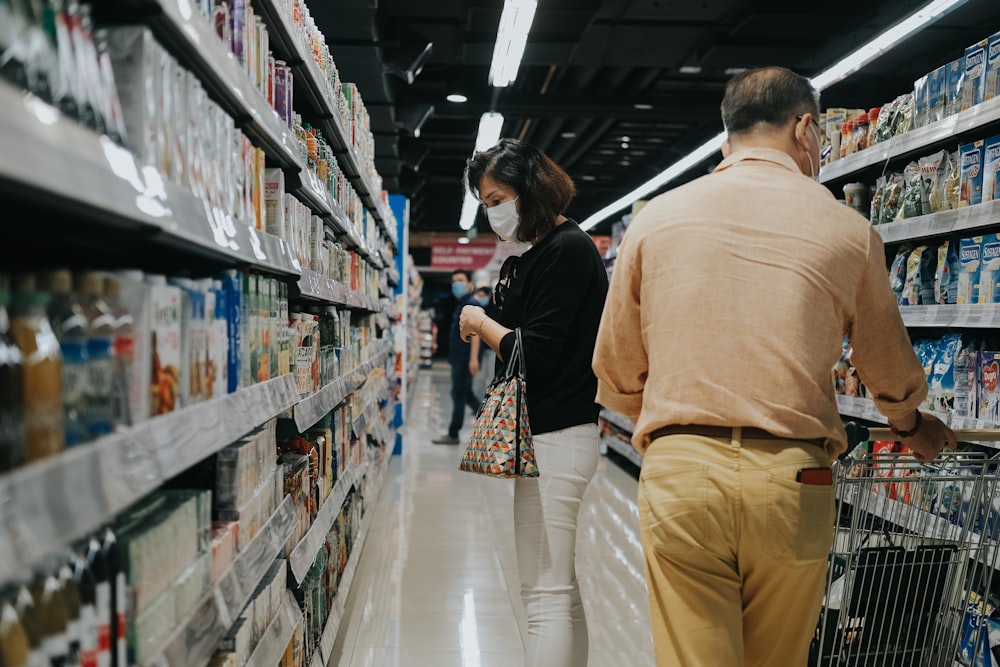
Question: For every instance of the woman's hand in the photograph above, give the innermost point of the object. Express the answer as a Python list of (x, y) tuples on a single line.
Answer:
[(470, 321)]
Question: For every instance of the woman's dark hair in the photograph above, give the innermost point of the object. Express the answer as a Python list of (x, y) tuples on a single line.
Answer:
[(770, 95), (545, 190)]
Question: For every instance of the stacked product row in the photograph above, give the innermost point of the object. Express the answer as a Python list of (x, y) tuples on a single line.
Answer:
[(970, 79), (963, 271), (962, 372), (946, 180)]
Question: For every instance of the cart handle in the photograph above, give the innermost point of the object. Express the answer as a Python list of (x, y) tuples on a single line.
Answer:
[(858, 433)]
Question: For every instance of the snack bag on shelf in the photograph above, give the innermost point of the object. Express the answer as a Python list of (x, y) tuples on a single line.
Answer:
[(897, 273), (988, 394), (921, 101), (954, 81), (912, 282), (941, 394), (937, 94), (946, 274), (989, 272)]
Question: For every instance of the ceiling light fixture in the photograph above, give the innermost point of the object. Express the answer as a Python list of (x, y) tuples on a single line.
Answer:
[(490, 126), (457, 98), (464, 240), (512, 36), (690, 69), (643, 107), (588, 177), (864, 55), (568, 135)]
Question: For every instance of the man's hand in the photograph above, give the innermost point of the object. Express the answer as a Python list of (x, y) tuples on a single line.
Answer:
[(473, 366), (932, 436)]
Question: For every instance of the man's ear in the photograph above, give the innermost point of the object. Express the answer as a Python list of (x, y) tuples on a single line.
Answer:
[(726, 148)]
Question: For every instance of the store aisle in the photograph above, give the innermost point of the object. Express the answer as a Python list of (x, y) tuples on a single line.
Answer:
[(437, 584)]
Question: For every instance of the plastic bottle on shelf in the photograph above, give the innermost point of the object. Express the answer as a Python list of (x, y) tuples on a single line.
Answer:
[(86, 586), (12, 434), (123, 350), (98, 563), (116, 575), (50, 603), (67, 90), (45, 434), (71, 328), (71, 595), (14, 647), (100, 349), (27, 614)]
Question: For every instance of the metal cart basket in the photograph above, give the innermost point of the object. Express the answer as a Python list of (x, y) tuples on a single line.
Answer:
[(913, 556)]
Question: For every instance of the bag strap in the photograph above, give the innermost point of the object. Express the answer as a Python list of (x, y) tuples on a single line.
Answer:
[(519, 347)]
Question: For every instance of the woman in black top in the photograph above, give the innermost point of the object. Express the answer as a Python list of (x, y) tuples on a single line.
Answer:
[(555, 293)]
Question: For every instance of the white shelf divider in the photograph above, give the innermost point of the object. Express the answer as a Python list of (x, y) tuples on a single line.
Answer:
[(304, 554), (272, 644), (53, 502)]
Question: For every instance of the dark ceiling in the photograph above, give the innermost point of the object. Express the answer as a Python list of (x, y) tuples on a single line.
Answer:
[(597, 71)]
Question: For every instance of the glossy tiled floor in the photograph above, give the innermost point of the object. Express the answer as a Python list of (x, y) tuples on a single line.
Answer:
[(437, 584)]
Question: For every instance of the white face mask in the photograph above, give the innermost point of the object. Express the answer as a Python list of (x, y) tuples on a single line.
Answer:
[(504, 219)]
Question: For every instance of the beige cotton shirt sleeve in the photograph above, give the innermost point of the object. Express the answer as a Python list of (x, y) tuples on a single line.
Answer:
[(729, 303)]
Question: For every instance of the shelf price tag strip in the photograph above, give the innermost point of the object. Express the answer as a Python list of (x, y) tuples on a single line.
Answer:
[(272, 644), (55, 501)]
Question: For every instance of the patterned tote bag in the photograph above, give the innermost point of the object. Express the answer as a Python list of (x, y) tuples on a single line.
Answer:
[(500, 444)]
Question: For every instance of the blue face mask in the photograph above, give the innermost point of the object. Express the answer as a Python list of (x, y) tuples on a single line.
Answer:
[(459, 290), (483, 300)]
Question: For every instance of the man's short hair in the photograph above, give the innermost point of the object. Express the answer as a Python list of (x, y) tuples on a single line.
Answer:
[(462, 272), (768, 95)]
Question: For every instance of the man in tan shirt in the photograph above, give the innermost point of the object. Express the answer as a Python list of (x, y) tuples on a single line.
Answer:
[(729, 302)]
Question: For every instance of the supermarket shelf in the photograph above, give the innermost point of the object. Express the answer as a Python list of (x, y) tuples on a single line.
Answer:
[(859, 408), (623, 449), (304, 554), (197, 638), (975, 315), (337, 612), (314, 286), (338, 219), (66, 164), (52, 502), (192, 39), (272, 644), (284, 37), (864, 408), (967, 218), (619, 420), (306, 187), (921, 140), (313, 408)]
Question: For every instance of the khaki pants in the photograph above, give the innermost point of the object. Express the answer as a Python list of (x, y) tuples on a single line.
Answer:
[(736, 549)]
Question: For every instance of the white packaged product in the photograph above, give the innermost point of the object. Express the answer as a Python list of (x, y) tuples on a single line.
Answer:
[(274, 202), (138, 64)]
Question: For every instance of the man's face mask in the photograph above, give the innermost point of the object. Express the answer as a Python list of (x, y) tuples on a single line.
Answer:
[(483, 300)]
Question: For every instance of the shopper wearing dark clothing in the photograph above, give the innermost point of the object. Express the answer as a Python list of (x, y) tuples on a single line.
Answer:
[(458, 357), (555, 293)]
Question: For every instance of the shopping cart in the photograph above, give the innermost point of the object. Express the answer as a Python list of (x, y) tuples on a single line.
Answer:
[(912, 561)]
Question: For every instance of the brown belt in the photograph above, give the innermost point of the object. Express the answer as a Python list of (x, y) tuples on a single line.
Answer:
[(748, 432)]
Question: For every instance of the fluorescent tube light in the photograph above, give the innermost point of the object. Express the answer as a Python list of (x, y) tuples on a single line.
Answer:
[(850, 64), (884, 42), (515, 21), (490, 126)]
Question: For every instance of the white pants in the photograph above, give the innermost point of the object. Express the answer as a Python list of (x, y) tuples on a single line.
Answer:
[(545, 514)]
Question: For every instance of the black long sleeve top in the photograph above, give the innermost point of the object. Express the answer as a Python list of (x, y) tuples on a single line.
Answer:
[(556, 295)]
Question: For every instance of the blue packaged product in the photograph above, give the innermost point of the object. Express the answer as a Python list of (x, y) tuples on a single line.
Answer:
[(991, 86), (991, 169), (971, 179), (974, 81), (968, 275), (989, 270), (954, 76), (937, 95), (926, 275), (232, 286), (941, 390), (897, 274)]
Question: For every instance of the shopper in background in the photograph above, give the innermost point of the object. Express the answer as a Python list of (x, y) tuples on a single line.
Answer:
[(729, 302), (481, 358), (554, 292), (458, 357)]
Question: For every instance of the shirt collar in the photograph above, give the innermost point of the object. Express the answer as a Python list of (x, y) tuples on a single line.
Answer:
[(763, 154)]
